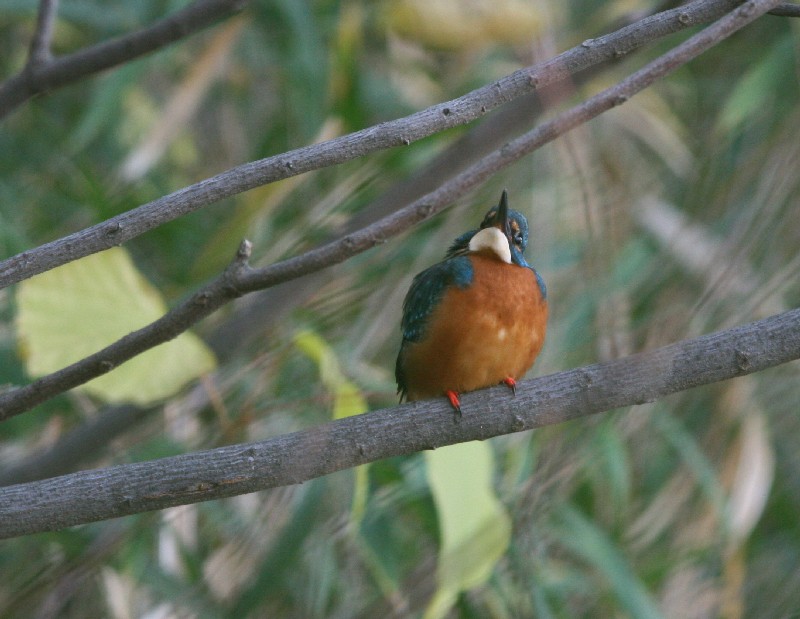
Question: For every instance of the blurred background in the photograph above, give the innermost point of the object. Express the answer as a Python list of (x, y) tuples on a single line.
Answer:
[(674, 215)]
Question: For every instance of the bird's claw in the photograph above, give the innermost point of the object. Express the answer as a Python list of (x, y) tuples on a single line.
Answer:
[(452, 397), (512, 384)]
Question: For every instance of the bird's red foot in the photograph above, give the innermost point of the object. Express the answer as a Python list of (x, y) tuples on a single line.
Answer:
[(512, 384), (452, 396)]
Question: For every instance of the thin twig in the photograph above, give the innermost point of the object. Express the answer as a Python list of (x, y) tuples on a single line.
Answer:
[(93, 495), (239, 278), (40, 77), (403, 131), (43, 35)]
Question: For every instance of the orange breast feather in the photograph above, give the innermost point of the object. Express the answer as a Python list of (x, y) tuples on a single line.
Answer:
[(480, 335)]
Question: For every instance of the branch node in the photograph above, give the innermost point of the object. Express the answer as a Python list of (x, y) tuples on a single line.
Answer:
[(232, 274), (587, 43), (201, 298), (619, 100), (244, 252), (112, 228), (746, 10), (106, 366), (424, 210), (685, 19), (507, 150), (742, 360)]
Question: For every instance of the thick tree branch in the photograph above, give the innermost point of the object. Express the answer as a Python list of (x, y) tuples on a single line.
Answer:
[(44, 74), (462, 110), (239, 278), (294, 458)]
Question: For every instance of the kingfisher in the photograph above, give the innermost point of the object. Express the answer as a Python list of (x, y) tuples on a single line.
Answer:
[(475, 319)]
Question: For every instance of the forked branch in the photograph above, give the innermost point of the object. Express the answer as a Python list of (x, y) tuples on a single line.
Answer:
[(44, 73)]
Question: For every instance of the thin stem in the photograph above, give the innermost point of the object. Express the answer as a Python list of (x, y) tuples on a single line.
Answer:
[(43, 35)]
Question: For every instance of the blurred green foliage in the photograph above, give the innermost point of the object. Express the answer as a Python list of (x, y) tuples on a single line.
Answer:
[(687, 507)]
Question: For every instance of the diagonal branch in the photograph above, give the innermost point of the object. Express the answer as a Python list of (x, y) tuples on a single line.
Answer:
[(786, 9), (93, 495), (44, 74), (403, 131), (239, 278)]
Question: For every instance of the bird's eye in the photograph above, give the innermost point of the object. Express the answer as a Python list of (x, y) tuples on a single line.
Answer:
[(518, 239)]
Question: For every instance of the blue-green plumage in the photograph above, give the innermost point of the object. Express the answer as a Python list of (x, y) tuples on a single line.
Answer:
[(427, 290)]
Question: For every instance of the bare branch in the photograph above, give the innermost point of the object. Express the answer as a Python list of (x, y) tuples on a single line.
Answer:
[(294, 458), (507, 122), (462, 110), (786, 9), (239, 279), (45, 74), (40, 43), (223, 289)]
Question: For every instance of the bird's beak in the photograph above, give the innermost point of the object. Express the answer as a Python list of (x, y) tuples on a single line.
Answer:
[(502, 216)]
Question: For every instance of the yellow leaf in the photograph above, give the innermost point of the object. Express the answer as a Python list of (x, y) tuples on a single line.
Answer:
[(347, 398), (474, 525), (79, 308), (347, 401), (450, 25)]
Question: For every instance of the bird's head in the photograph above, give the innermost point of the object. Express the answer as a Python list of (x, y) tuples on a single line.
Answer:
[(503, 232)]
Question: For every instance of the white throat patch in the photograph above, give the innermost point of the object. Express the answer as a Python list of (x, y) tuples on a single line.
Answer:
[(493, 240)]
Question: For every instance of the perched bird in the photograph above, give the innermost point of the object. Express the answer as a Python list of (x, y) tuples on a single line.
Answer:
[(475, 319)]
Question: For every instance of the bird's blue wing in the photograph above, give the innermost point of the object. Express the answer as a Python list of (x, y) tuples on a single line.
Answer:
[(427, 290), (423, 296)]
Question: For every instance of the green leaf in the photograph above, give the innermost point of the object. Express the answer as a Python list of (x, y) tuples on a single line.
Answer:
[(611, 468), (475, 528), (79, 308), (591, 543), (753, 93), (696, 462)]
